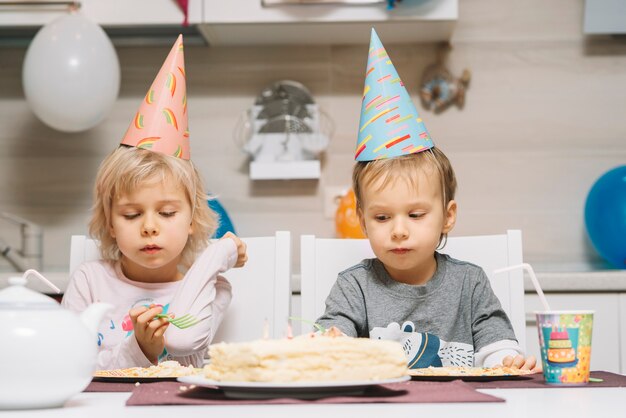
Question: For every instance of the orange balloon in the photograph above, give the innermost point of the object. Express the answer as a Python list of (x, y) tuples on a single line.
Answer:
[(346, 221)]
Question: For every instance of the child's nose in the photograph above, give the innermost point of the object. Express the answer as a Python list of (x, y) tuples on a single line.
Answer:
[(400, 230), (149, 227), (149, 230)]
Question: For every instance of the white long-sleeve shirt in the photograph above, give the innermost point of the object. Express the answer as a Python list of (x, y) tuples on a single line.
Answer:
[(202, 292)]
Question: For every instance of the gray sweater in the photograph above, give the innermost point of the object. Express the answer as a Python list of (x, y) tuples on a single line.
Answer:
[(441, 323)]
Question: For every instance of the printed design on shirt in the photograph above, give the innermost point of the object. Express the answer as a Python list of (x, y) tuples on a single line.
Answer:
[(424, 349), (116, 326), (127, 323)]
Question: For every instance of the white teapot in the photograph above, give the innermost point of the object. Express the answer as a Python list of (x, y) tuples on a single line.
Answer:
[(47, 353)]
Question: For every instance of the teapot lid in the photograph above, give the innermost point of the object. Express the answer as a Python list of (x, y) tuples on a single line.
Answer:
[(17, 295)]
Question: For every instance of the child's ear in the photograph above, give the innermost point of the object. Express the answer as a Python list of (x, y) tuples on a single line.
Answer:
[(191, 228), (111, 231), (450, 217)]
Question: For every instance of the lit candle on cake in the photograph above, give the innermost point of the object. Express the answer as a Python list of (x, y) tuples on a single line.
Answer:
[(266, 330)]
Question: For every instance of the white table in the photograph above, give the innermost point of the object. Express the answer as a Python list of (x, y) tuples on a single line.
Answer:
[(557, 402)]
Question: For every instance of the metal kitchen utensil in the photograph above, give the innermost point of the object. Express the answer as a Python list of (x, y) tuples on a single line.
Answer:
[(293, 130), (285, 90), (284, 133), (279, 107), (285, 124)]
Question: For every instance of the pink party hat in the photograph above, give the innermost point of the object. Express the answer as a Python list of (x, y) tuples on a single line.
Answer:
[(390, 125), (161, 122)]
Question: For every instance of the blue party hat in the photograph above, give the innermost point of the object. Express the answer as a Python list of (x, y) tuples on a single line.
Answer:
[(390, 125)]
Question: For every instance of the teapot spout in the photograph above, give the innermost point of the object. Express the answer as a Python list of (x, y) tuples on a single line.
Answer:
[(92, 316)]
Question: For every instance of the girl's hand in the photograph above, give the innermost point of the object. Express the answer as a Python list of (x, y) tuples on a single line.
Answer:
[(519, 362), (149, 331), (242, 256)]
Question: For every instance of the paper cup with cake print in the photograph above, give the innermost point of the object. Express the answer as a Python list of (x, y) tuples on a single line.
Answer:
[(565, 343)]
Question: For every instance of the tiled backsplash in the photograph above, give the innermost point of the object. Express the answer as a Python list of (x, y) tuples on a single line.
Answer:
[(543, 120)]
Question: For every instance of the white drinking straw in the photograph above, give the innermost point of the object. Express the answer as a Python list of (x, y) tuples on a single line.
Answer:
[(533, 278), (43, 279)]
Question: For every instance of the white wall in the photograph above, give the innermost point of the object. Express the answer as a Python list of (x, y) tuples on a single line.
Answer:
[(544, 118)]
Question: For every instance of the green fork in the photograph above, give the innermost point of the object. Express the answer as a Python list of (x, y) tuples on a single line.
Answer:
[(306, 321), (183, 322)]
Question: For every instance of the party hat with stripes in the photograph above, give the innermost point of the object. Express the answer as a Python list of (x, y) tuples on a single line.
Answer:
[(390, 125), (160, 124)]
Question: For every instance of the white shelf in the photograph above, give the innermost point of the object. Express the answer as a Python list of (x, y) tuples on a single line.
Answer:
[(288, 170)]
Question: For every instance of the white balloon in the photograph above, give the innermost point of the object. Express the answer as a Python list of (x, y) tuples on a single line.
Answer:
[(71, 74)]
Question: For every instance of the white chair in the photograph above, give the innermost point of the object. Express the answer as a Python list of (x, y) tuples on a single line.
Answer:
[(323, 258), (261, 289), (82, 249)]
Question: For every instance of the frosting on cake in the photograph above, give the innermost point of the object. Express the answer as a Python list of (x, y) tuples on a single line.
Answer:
[(307, 358)]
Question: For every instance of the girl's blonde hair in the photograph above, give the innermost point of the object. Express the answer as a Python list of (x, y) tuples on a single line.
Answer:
[(365, 173), (128, 168)]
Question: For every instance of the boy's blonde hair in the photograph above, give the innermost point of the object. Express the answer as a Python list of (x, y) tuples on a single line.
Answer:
[(128, 168), (405, 167)]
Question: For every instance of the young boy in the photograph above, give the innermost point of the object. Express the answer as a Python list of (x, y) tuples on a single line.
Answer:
[(442, 310)]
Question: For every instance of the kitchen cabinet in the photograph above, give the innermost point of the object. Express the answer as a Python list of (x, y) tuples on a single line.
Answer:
[(246, 22), (107, 13), (609, 331)]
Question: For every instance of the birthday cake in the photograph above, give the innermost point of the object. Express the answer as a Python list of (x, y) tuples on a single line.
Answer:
[(307, 358), (560, 347)]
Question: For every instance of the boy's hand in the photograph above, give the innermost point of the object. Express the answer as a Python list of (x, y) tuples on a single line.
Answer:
[(519, 362), (242, 256), (149, 331)]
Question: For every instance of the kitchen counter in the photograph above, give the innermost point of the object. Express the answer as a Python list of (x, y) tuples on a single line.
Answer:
[(579, 282), (551, 282)]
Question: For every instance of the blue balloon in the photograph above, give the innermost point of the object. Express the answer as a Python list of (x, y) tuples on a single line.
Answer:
[(605, 216), (224, 223)]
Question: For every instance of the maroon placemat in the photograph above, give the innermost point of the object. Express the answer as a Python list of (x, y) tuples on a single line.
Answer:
[(171, 393), (111, 387), (610, 380)]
